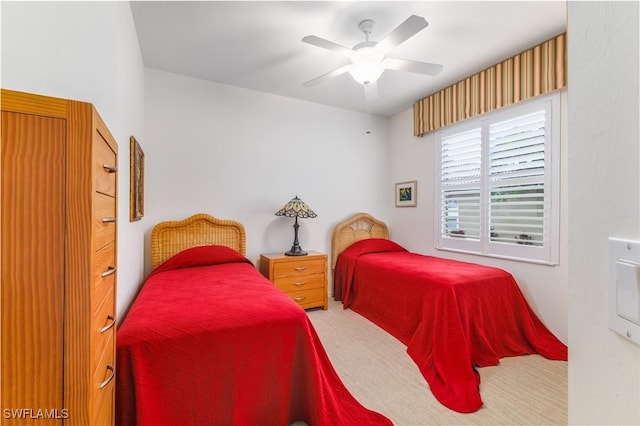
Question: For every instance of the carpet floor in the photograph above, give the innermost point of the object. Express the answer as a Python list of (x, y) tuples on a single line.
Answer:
[(375, 367)]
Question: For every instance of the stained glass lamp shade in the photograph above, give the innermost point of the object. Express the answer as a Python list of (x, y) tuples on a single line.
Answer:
[(296, 208)]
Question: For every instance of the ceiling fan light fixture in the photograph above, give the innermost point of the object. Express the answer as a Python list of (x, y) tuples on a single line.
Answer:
[(368, 58), (367, 65)]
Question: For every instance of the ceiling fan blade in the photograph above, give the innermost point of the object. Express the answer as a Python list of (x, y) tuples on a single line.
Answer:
[(412, 25), (329, 45), (327, 76), (370, 91), (412, 66)]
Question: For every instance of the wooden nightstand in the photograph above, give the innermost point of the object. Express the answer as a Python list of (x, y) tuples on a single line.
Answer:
[(304, 278)]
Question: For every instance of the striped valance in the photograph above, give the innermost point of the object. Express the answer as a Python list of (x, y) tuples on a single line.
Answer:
[(533, 72)]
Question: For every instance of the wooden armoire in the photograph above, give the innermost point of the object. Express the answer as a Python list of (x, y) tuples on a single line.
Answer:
[(58, 271)]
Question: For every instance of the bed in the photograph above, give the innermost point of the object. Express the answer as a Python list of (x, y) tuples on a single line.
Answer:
[(209, 341), (453, 316)]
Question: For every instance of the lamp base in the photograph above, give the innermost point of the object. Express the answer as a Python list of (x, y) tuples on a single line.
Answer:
[(295, 251)]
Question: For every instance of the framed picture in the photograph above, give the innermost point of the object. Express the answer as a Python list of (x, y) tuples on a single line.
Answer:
[(136, 181), (407, 194)]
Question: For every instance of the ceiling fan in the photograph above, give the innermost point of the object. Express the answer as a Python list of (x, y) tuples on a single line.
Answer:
[(369, 58)]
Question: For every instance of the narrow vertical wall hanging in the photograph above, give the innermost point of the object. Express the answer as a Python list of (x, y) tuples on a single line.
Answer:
[(136, 181)]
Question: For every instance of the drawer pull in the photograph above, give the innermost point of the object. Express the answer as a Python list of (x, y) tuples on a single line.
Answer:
[(299, 298), (300, 268), (110, 325), (110, 271), (300, 284), (110, 378), (110, 168), (109, 219)]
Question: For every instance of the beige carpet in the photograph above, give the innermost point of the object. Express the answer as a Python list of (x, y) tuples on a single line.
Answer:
[(526, 390)]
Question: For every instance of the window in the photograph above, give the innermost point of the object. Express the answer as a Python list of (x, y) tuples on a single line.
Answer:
[(498, 183)]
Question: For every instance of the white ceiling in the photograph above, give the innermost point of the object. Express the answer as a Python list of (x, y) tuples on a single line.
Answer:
[(257, 45)]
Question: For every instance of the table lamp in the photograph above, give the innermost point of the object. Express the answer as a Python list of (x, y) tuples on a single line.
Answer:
[(296, 208)]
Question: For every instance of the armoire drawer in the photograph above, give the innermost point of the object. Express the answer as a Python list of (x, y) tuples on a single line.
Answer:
[(103, 392), (102, 403), (104, 368), (105, 219), (104, 266), (105, 168), (102, 325)]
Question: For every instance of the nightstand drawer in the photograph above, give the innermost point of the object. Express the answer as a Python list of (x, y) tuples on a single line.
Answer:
[(308, 298), (297, 268), (307, 282)]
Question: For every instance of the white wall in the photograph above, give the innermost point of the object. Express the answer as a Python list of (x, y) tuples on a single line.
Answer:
[(87, 51), (413, 158), (240, 154), (604, 201)]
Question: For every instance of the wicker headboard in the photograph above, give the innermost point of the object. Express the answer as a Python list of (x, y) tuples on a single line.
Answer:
[(169, 238), (357, 227)]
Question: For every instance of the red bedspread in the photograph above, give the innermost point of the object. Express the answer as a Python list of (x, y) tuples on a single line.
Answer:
[(209, 341), (451, 315)]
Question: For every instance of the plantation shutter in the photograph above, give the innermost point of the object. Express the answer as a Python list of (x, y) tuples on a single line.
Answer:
[(517, 180), (461, 158)]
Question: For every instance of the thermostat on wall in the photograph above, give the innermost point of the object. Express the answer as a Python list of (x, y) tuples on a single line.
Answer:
[(624, 288)]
